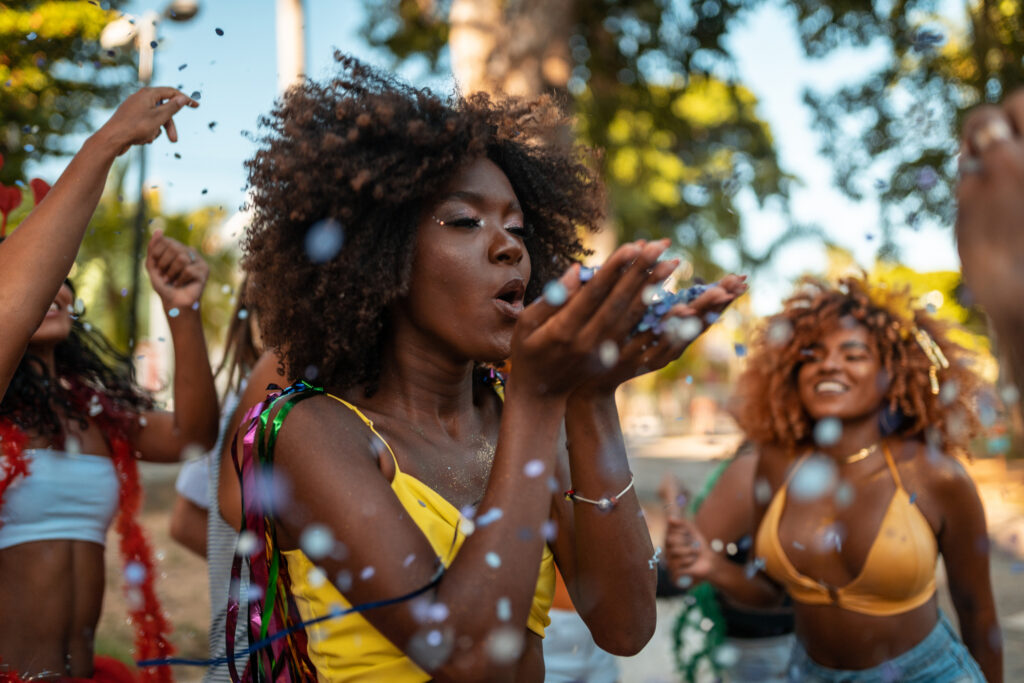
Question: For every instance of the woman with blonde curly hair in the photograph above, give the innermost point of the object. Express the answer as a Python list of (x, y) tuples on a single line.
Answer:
[(856, 403)]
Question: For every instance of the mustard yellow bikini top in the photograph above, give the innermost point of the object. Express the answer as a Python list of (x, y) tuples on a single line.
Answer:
[(350, 648), (898, 574)]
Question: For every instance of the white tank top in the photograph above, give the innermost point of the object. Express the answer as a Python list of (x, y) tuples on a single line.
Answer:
[(65, 496)]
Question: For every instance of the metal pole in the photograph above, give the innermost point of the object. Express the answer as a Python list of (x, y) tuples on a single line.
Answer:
[(145, 39), (138, 235)]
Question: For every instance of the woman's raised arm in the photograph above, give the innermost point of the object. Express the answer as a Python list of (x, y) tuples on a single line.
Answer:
[(36, 258), (179, 276)]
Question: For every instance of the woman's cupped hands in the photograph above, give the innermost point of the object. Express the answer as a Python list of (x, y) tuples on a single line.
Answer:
[(586, 338)]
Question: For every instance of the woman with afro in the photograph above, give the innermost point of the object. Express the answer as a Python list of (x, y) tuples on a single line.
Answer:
[(400, 246), (856, 403)]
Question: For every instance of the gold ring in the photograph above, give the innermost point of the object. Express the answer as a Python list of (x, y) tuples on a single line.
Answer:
[(991, 132)]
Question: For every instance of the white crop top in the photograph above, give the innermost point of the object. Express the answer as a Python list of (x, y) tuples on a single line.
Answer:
[(65, 496)]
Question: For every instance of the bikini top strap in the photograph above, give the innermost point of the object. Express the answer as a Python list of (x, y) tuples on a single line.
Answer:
[(794, 468), (892, 465), (369, 423)]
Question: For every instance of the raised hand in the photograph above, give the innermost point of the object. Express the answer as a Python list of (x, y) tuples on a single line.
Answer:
[(141, 117), (688, 557), (178, 274)]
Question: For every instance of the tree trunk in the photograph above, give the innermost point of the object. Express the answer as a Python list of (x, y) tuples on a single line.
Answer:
[(516, 47)]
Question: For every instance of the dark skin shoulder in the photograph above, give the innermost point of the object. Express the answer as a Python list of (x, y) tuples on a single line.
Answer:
[(457, 468)]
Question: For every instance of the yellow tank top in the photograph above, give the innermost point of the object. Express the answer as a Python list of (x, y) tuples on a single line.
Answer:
[(350, 648)]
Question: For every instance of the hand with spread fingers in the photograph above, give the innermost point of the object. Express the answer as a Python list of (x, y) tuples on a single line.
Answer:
[(178, 274), (655, 348), (585, 338)]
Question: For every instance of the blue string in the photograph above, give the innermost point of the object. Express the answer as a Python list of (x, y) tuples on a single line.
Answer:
[(333, 614)]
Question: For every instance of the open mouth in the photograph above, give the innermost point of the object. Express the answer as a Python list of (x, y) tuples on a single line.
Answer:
[(509, 298), (830, 386)]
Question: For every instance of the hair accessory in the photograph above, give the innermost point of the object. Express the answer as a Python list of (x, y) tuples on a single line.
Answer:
[(604, 503), (935, 356)]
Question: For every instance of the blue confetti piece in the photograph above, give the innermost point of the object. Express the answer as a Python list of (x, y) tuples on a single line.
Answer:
[(173, 313), (913, 497), (741, 350)]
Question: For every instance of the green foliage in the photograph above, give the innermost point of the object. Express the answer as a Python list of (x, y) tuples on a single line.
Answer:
[(53, 73), (102, 271), (653, 86), (897, 127)]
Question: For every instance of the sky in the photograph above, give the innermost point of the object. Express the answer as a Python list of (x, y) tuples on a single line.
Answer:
[(235, 76)]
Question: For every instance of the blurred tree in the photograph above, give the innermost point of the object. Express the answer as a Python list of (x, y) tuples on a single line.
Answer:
[(53, 73), (652, 85), (894, 130)]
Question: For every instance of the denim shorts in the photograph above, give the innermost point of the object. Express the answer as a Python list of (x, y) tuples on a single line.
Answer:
[(940, 658)]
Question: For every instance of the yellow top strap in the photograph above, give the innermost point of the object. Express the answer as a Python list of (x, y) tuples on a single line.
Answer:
[(369, 423), (892, 465)]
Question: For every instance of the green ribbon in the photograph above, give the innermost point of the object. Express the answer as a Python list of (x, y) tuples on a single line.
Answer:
[(265, 457)]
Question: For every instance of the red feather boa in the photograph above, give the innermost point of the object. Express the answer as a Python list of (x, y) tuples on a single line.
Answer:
[(145, 613)]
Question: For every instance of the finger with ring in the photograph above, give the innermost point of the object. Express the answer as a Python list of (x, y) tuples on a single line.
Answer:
[(992, 131)]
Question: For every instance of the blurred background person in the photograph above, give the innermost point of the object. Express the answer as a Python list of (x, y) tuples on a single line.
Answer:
[(857, 405), (73, 423), (715, 636)]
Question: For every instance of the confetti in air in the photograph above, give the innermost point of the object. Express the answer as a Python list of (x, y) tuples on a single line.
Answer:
[(504, 609), (134, 573), (492, 515), (324, 240), (555, 293), (608, 353), (827, 431), (653, 562), (505, 644), (815, 478), (534, 468), (316, 541)]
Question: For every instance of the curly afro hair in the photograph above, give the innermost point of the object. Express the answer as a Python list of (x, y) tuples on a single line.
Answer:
[(948, 420), (371, 153)]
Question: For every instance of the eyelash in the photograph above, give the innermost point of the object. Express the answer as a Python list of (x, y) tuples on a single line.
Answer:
[(468, 222)]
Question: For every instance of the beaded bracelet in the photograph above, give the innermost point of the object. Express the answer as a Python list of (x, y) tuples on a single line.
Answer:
[(604, 503)]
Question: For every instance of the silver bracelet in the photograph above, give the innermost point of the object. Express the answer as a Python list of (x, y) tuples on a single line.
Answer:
[(604, 503)]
